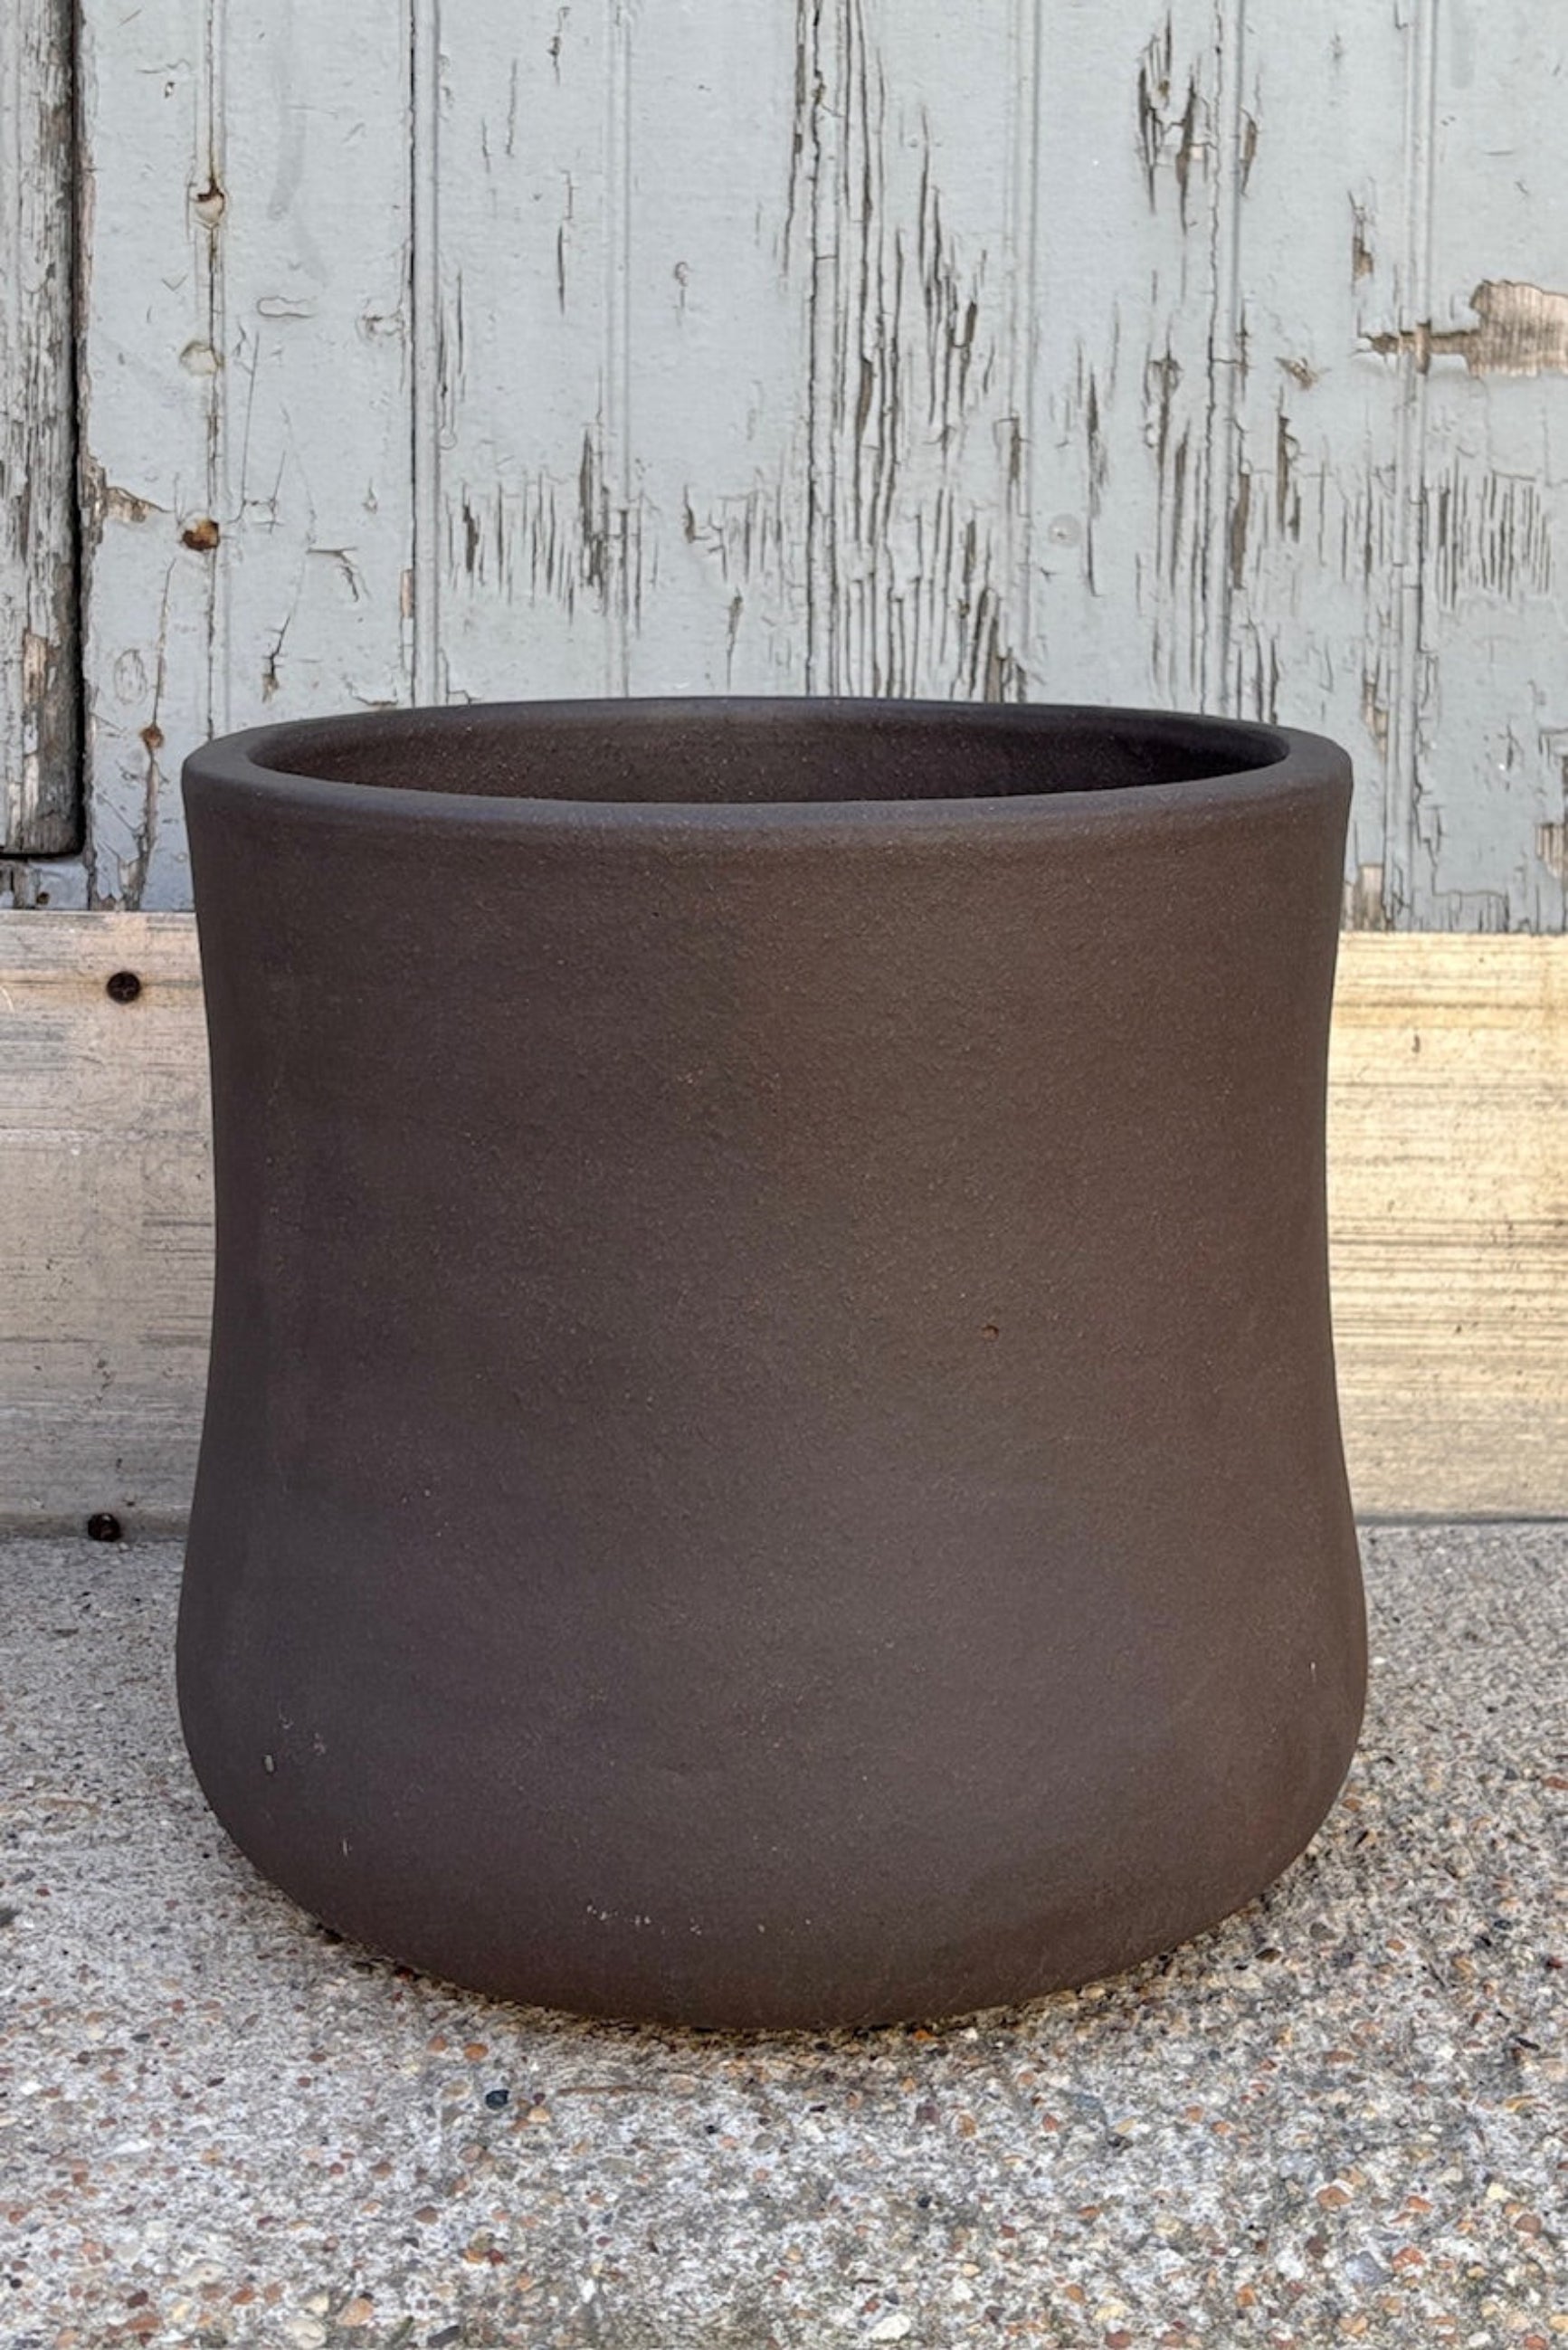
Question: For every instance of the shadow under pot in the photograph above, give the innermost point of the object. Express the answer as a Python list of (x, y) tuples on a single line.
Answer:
[(771, 1454)]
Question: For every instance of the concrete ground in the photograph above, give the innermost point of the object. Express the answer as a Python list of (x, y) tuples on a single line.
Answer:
[(1339, 2117)]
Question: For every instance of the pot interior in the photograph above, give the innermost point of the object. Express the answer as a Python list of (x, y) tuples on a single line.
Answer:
[(706, 751)]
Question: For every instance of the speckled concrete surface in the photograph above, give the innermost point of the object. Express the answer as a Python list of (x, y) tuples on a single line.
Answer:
[(1339, 2117)]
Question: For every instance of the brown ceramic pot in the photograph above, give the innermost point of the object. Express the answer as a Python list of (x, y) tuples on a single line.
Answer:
[(771, 1454)]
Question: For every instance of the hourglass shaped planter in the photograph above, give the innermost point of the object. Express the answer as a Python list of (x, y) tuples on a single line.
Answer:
[(771, 1453)]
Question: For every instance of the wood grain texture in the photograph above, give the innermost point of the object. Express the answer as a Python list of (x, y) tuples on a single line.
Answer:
[(1449, 1208), (39, 737), (1449, 1187), (104, 1218)]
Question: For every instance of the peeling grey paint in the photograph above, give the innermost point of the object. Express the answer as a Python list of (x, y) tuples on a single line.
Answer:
[(245, 489), (914, 519), (1521, 331), (39, 726), (1105, 354)]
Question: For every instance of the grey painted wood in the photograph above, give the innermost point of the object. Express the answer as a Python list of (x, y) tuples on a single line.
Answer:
[(39, 749), (1487, 842), (246, 404), (1398, 518), (1177, 351), (1318, 543)]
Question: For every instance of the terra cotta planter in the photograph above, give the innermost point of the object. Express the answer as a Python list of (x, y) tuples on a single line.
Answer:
[(771, 1453)]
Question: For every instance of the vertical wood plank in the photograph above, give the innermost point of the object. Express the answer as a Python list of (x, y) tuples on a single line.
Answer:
[(245, 396), (618, 395), (1133, 423), (1412, 295), (714, 275), (918, 135), (534, 546), (39, 734), (753, 422), (429, 436), (1401, 499), (1489, 814), (151, 397), (1318, 539), (315, 482)]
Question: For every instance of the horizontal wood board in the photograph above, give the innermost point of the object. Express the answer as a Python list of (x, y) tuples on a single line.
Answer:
[(1449, 1168)]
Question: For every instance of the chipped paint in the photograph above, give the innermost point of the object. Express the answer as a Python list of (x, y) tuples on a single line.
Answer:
[(829, 350), (1487, 535), (244, 483), (916, 530), (1520, 329), (549, 539), (122, 505), (39, 723), (1171, 116), (57, 882)]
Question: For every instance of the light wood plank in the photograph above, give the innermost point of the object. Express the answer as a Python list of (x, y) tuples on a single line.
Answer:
[(39, 736), (1448, 1206), (105, 1219), (1449, 1186)]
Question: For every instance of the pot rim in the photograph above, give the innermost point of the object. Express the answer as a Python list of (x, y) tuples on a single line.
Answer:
[(1292, 764)]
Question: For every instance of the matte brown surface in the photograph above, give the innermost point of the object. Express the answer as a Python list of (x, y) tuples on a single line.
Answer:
[(770, 1452)]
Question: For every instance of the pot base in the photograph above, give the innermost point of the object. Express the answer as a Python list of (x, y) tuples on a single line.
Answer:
[(771, 1453)]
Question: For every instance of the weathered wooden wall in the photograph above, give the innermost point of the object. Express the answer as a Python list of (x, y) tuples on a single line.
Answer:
[(1209, 353)]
